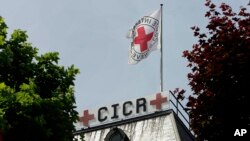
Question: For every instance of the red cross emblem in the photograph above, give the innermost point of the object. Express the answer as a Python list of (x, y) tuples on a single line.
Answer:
[(86, 117), (143, 38), (158, 101)]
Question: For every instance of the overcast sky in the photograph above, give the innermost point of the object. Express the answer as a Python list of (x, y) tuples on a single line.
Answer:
[(91, 34)]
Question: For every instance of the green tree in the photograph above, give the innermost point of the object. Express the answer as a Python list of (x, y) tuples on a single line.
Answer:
[(36, 94), (220, 74)]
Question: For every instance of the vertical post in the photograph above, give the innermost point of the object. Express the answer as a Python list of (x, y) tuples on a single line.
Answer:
[(177, 110), (161, 63)]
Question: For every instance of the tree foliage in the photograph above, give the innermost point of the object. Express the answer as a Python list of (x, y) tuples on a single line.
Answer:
[(220, 73), (36, 94)]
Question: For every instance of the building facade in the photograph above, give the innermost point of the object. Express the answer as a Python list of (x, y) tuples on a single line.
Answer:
[(143, 119)]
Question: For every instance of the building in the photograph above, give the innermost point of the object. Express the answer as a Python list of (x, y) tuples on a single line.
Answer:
[(149, 118)]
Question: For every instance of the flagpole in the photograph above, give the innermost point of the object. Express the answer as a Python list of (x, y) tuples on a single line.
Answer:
[(161, 63)]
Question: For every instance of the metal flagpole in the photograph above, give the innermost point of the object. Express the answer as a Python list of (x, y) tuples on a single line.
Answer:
[(161, 63)]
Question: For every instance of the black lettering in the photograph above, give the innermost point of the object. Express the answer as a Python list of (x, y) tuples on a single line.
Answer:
[(100, 118), (155, 23), (115, 111), (148, 21), (141, 102), (125, 104)]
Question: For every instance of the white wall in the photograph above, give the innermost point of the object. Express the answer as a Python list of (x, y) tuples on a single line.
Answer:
[(161, 128)]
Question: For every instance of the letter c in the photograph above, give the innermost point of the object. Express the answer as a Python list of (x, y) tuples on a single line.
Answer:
[(100, 111)]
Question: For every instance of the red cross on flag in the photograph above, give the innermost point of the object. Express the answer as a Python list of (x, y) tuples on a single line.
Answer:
[(145, 36)]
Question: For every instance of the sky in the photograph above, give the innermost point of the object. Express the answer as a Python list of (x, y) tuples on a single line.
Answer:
[(91, 34)]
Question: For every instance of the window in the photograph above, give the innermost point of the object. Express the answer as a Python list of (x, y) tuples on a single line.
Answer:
[(116, 134), (115, 137)]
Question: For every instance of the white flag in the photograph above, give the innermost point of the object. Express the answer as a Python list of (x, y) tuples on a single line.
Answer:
[(145, 36)]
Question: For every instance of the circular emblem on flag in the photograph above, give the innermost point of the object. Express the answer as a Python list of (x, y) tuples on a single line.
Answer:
[(145, 38)]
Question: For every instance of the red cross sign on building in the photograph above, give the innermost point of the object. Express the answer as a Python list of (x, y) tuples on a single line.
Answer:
[(158, 101), (125, 110), (86, 117)]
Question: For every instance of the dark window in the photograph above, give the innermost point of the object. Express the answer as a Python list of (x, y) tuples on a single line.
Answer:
[(115, 137), (116, 134)]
